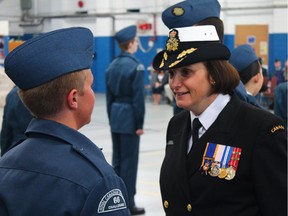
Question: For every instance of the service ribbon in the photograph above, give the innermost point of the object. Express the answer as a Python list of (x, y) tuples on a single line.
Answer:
[(220, 150), (235, 157), (209, 153)]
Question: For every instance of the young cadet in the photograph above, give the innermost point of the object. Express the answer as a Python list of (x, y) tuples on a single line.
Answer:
[(126, 110), (57, 170), (236, 158), (244, 59)]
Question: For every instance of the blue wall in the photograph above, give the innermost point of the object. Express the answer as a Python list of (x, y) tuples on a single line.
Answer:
[(229, 41), (278, 48), (103, 56), (106, 49)]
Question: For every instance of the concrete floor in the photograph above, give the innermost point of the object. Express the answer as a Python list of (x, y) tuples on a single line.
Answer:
[(152, 147)]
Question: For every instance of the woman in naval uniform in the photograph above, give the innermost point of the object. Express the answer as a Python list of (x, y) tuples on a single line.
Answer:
[(223, 156)]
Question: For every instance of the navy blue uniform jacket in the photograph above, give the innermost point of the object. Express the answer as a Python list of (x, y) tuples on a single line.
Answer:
[(125, 94), (259, 187), (16, 118), (58, 171)]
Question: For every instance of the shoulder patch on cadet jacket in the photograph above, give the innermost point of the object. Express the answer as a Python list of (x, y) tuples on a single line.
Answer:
[(140, 67), (278, 127), (112, 201)]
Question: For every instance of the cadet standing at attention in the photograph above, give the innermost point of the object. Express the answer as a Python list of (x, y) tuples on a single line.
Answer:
[(57, 171), (126, 109), (223, 156)]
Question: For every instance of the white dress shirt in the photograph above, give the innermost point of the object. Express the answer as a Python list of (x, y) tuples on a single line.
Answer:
[(209, 115)]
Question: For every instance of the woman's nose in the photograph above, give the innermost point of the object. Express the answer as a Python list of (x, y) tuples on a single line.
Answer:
[(175, 82)]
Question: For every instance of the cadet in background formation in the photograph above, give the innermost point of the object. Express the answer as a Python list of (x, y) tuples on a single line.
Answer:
[(16, 118), (126, 109), (236, 158), (57, 170), (245, 61)]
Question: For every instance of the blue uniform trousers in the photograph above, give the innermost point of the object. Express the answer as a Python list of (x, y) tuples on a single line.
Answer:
[(125, 160)]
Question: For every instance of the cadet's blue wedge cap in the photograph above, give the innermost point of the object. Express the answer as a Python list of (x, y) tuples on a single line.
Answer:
[(242, 57), (190, 12), (126, 34), (51, 55)]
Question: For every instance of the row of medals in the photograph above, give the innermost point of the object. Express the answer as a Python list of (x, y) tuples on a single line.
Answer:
[(214, 170)]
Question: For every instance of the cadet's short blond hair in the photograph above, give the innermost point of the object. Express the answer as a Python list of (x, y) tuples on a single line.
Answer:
[(48, 99)]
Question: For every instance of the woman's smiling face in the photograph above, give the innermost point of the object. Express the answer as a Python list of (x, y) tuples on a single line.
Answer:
[(191, 86)]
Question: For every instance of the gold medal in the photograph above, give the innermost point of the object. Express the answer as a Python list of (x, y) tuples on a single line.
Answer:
[(230, 173), (223, 173)]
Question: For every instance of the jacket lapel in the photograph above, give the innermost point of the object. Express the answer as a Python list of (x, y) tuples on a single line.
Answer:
[(181, 141)]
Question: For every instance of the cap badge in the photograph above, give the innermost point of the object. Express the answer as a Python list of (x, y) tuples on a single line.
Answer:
[(173, 41), (178, 11)]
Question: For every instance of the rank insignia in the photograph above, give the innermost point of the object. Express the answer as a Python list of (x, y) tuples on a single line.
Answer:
[(220, 161), (173, 41)]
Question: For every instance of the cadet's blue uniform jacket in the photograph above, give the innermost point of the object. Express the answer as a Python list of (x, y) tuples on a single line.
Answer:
[(259, 187), (16, 118), (58, 171), (125, 94), (242, 94), (280, 101)]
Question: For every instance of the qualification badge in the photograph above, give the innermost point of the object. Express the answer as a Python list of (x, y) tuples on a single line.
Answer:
[(220, 160)]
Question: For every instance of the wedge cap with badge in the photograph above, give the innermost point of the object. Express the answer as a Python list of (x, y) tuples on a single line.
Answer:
[(189, 45), (34, 62), (190, 12), (126, 34)]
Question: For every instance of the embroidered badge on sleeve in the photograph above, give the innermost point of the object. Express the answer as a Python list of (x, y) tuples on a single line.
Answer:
[(112, 201)]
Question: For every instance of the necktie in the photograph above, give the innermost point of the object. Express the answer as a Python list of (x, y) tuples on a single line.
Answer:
[(195, 133)]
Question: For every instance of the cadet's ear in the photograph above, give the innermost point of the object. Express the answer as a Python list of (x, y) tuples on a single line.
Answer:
[(256, 77), (72, 99)]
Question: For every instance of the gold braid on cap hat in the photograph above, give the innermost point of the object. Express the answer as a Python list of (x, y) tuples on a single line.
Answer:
[(165, 57), (185, 52), (176, 62)]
